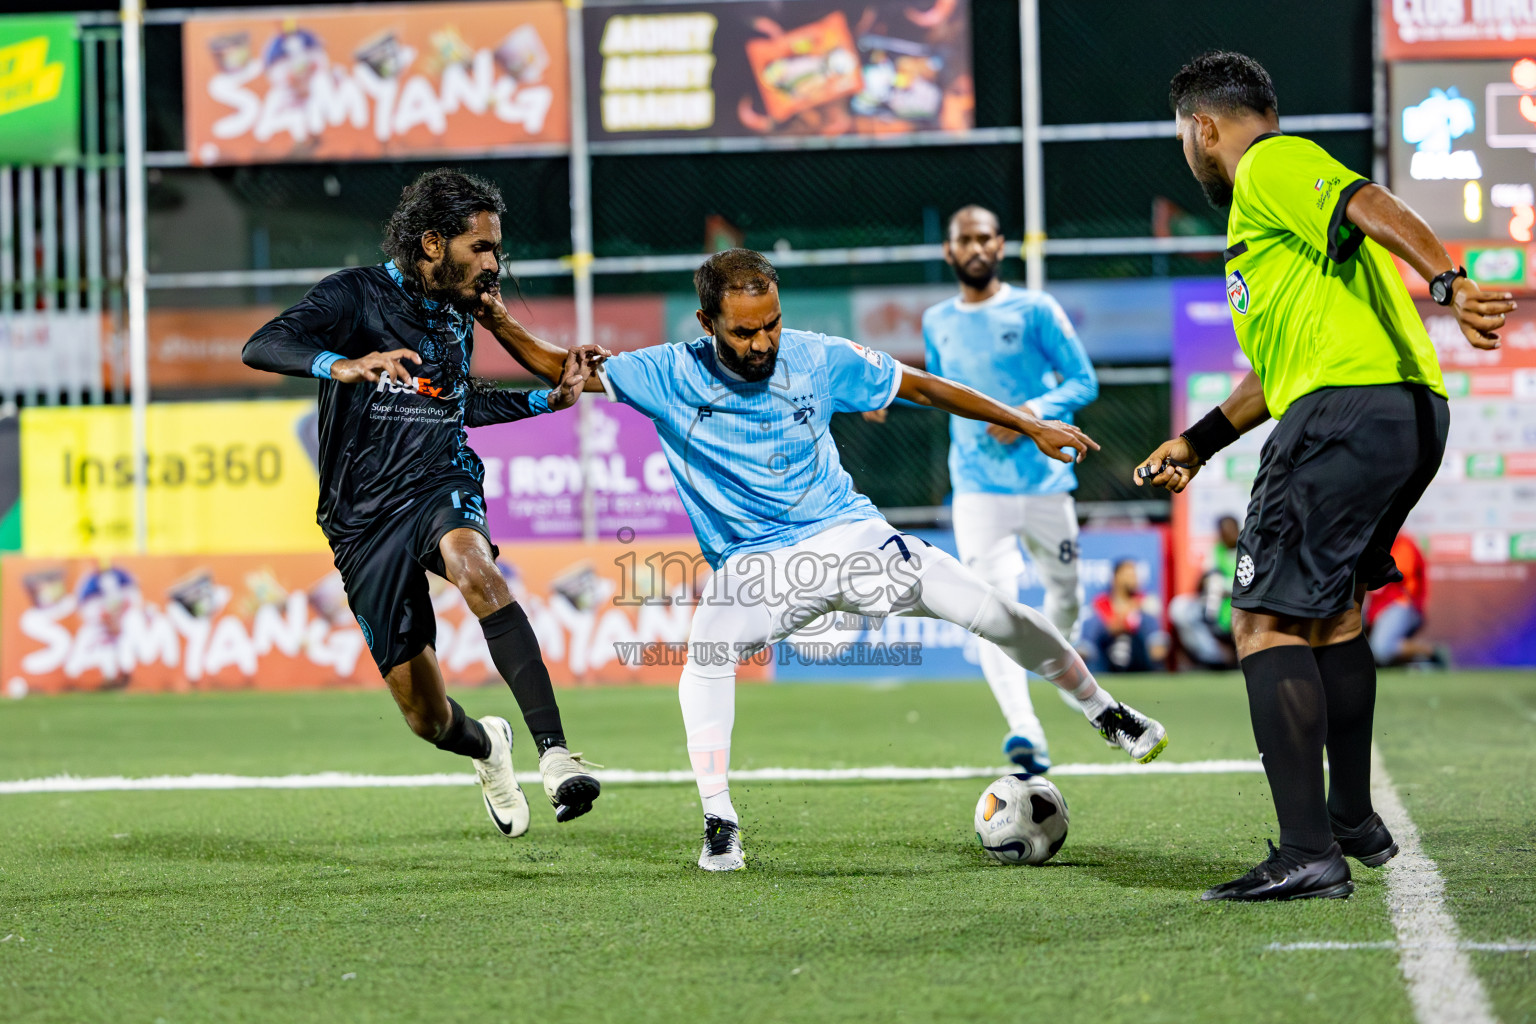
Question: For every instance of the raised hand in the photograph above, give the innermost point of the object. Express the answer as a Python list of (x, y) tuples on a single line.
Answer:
[(374, 365), (573, 378)]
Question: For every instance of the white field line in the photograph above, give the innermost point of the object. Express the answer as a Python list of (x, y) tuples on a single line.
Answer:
[(1479, 947), (1441, 983), (347, 780)]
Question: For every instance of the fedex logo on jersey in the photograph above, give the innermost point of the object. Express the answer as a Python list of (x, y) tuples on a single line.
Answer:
[(1237, 291), (418, 386)]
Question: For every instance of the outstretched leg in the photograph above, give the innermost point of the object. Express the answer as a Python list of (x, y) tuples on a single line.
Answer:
[(947, 590)]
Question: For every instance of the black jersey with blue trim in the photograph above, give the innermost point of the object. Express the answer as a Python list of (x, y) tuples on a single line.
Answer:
[(383, 444)]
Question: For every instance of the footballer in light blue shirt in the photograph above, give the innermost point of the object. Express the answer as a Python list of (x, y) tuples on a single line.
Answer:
[(1017, 346), (743, 415)]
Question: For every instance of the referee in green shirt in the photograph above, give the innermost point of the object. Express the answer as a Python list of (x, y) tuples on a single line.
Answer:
[(1343, 363)]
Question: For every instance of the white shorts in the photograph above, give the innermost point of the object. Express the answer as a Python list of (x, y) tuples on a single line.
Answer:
[(866, 567), (986, 525)]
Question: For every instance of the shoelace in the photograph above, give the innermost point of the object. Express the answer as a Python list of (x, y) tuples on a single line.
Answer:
[(718, 833), (582, 762), (1118, 720), (1276, 866)]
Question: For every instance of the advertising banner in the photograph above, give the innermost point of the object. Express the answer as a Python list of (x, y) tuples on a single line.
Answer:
[(196, 348), (1477, 521), (52, 352), (221, 476), (1456, 29), (778, 67), (39, 89), (607, 613), (392, 80), (533, 478)]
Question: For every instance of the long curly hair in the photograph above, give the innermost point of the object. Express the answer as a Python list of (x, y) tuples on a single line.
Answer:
[(441, 200)]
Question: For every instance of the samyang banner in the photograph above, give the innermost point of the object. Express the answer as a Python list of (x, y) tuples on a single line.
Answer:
[(778, 67), (392, 80)]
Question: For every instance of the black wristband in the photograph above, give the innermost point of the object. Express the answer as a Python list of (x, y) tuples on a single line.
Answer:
[(1213, 433)]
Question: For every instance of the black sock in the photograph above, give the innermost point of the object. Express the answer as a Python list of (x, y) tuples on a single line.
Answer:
[(1348, 671), (463, 735), (1290, 723), (515, 650)]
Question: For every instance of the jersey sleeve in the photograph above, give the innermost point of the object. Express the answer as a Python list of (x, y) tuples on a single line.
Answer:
[(1303, 190), (504, 405), (862, 379), (307, 337), (1058, 341), (638, 378)]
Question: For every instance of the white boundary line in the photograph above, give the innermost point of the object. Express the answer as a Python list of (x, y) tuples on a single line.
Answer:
[(347, 780), (1441, 983), (1480, 947)]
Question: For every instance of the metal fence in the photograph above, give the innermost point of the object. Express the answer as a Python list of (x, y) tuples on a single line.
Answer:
[(1080, 161)]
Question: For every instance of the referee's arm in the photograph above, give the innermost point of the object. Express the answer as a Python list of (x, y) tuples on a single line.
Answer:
[(1395, 227)]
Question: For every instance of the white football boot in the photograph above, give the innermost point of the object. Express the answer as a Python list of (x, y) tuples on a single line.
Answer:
[(722, 845), (504, 800), (571, 788), (1133, 732)]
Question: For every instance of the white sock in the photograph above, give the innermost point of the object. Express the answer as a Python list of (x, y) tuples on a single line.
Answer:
[(1071, 675), (709, 711)]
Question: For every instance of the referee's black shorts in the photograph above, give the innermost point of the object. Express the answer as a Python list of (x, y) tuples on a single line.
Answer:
[(1338, 477), (385, 570)]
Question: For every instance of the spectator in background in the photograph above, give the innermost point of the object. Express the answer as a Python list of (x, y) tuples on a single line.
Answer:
[(1123, 631), (1204, 618), (1395, 613)]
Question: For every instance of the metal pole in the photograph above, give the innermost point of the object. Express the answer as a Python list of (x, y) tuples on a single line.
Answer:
[(1034, 157), (581, 244), (133, 168), (1379, 115)]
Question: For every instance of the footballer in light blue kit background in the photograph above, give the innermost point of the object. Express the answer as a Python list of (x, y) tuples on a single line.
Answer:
[(1017, 346)]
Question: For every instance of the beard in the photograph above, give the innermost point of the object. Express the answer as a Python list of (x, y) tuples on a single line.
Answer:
[(749, 369), (445, 284), (972, 279), (1218, 191)]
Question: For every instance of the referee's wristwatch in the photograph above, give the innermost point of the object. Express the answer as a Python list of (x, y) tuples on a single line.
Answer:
[(1441, 288)]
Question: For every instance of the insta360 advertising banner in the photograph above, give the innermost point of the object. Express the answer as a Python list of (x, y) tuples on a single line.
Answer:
[(390, 80), (778, 67), (220, 476)]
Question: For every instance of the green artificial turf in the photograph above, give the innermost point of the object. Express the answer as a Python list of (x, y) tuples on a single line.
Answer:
[(864, 901)]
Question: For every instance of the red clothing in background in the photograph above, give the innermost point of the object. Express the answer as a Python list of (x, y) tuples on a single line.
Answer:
[(1415, 586)]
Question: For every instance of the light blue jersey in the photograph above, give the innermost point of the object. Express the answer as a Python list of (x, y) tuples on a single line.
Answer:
[(1018, 346), (754, 463)]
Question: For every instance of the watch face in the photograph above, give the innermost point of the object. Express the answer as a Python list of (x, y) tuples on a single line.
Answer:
[(1439, 290)]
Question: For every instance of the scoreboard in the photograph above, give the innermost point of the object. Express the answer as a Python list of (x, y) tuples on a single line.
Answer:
[(1463, 150)]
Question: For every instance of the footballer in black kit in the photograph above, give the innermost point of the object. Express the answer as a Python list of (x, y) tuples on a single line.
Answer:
[(400, 488)]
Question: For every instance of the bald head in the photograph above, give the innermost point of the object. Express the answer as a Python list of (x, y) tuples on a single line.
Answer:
[(974, 213)]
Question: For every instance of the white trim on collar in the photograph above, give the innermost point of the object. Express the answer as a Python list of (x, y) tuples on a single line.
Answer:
[(971, 307)]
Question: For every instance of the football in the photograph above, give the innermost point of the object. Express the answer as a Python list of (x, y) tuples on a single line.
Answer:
[(1021, 819)]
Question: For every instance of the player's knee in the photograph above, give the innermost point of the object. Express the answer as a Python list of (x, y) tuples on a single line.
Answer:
[(426, 724), (481, 583)]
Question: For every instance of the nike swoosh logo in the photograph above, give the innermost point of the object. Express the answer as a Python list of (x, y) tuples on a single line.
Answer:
[(505, 826)]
